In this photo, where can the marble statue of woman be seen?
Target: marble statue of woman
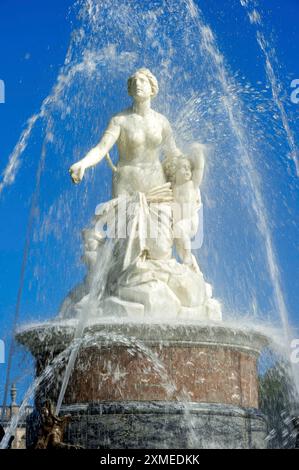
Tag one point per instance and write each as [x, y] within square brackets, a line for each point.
[144, 279]
[139, 133]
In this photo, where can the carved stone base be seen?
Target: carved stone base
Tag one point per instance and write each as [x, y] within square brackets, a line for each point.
[150, 381]
[158, 425]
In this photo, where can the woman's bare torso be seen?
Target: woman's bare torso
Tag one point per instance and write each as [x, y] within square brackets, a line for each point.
[139, 143]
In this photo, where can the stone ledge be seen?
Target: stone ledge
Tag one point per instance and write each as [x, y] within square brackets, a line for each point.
[55, 336]
[160, 407]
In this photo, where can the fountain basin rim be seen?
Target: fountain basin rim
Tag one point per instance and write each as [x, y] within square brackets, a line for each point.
[56, 336]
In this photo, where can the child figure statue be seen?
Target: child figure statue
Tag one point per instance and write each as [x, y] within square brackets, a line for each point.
[185, 174]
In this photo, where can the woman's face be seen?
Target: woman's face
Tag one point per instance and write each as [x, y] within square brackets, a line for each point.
[140, 87]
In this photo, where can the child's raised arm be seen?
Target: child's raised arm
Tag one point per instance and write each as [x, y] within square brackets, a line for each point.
[197, 157]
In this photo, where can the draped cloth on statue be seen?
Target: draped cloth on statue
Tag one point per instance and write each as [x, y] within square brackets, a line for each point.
[143, 279]
[139, 224]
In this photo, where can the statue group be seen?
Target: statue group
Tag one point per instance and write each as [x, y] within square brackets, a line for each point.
[151, 219]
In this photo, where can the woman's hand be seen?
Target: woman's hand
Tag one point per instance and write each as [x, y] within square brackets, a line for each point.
[77, 172]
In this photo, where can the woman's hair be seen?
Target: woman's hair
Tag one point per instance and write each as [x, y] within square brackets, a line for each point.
[151, 78]
[170, 165]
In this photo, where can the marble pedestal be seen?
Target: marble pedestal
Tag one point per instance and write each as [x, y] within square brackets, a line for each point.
[156, 385]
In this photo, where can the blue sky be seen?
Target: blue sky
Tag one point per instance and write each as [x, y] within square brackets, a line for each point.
[34, 38]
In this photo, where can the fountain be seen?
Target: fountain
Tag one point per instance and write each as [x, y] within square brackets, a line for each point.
[141, 354]
[136, 288]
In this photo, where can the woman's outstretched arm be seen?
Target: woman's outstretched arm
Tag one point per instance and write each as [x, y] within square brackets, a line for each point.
[97, 153]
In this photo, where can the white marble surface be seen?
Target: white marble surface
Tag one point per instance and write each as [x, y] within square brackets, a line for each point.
[155, 206]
